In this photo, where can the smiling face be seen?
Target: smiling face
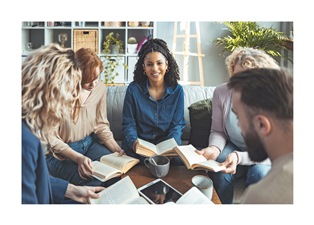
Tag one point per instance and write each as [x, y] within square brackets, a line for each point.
[155, 66]
[255, 147]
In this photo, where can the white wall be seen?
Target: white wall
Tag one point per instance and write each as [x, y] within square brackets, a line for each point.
[214, 68]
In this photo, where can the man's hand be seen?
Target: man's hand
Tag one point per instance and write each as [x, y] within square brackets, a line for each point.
[210, 152]
[82, 193]
[230, 163]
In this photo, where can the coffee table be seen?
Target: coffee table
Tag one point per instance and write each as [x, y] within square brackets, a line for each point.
[179, 177]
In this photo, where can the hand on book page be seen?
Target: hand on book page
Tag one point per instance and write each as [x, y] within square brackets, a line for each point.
[192, 160]
[112, 165]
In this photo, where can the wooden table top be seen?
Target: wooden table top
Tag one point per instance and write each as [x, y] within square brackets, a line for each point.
[179, 177]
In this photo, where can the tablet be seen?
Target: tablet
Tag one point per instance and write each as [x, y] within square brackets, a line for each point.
[159, 192]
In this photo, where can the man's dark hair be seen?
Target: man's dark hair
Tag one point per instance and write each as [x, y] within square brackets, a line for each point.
[265, 89]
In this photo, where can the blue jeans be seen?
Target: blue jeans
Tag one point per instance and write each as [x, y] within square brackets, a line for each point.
[224, 183]
[66, 169]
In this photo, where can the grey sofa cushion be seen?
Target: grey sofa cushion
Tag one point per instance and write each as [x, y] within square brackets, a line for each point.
[115, 99]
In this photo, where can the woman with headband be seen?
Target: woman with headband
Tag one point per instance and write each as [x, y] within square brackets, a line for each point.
[154, 102]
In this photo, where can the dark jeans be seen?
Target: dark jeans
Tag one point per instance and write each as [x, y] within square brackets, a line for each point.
[68, 170]
[224, 183]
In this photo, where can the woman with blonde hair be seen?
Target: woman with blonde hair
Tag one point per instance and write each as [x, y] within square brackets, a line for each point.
[50, 90]
[226, 144]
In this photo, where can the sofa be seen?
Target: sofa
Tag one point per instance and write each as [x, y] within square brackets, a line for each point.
[115, 98]
[192, 94]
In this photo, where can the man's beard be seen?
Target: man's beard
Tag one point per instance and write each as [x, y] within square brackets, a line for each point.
[254, 146]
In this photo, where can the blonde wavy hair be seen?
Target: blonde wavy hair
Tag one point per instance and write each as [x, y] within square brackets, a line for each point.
[249, 58]
[50, 88]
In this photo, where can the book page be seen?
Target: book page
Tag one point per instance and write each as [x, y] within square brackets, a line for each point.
[121, 192]
[139, 200]
[147, 145]
[188, 151]
[194, 196]
[122, 163]
[166, 145]
[209, 164]
[103, 172]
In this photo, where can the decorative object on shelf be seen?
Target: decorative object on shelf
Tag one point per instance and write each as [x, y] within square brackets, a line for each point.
[132, 45]
[291, 34]
[112, 24]
[28, 46]
[142, 41]
[81, 23]
[86, 39]
[31, 24]
[250, 34]
[111, 61]
[28, 23]
[145, 24]
[133, 23]
[112, 39]
[62, 37]
[50, 23]
[89, 34]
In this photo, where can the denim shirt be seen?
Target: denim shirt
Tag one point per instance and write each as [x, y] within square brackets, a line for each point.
[151, 120]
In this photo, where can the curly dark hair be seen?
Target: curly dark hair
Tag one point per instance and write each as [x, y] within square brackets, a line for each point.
[157, 45]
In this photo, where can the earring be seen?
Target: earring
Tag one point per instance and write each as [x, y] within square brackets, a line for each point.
[144, 73]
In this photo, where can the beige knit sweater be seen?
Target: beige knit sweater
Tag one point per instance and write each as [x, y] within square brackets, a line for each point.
[92, 118]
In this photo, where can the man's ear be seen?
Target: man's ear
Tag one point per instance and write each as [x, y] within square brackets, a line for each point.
[262, 125]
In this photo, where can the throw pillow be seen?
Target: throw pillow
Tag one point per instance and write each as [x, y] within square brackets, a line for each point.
[201, 121]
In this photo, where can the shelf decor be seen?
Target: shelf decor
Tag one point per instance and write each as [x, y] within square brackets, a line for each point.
[113, 46]
[89, 34]
[112, 24]
[132, 45]
[86, 39]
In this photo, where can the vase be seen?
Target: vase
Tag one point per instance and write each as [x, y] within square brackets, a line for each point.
[132, 48]
[114, 49]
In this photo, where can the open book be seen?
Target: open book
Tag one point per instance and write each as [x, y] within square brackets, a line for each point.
[121, 192]
[194, 196]
[112, 165]
[194, 161]
[164, 148]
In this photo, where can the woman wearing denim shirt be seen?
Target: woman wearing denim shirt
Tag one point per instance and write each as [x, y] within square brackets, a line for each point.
[154, 102]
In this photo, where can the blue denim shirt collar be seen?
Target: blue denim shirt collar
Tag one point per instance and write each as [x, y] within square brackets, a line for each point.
[169, 90]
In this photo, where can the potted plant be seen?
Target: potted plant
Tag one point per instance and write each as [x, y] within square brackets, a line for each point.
[112, 45]
[132, 45]
[250, 34]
